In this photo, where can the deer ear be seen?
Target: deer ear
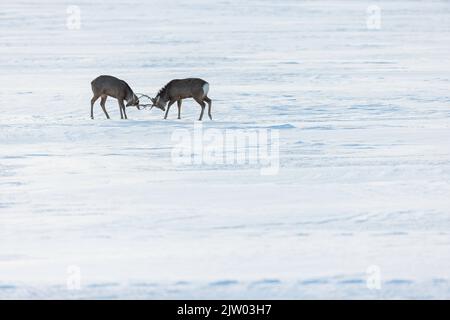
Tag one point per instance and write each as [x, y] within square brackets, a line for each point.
[153, 100]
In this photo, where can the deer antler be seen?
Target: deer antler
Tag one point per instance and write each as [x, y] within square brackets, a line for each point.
[140, 95]
[146, 106]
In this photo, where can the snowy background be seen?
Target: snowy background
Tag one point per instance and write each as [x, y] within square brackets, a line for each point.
[363, 116]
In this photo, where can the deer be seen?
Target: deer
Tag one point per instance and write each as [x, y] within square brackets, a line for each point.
[179, 89]
[109, 86]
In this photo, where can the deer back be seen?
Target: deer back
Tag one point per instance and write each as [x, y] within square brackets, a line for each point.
[111, 86]
[185, 88]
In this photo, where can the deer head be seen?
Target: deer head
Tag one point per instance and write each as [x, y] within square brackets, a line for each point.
[133, 102]
[158, 103]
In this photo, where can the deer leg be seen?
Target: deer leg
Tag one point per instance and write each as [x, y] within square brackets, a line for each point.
[120, 108]
[179, 108]
[208, 100]
[168, 107]
[202, 104]
[94, 98]
[102, 103]
[123, 108]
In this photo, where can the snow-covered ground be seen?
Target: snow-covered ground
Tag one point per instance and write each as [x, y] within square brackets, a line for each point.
[363, 118]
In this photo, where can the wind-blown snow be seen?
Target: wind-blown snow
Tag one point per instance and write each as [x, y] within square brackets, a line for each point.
[364, 123]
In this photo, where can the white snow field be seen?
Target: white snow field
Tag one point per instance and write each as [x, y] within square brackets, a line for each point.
[99, 209]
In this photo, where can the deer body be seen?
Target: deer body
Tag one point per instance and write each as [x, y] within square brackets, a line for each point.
[109, 86]
[179, 89]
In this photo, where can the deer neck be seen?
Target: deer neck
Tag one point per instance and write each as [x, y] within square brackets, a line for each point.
[129, 97]
[163, 98]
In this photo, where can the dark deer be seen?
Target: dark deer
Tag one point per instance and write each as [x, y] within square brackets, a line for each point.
[179, 89]
[105, 86]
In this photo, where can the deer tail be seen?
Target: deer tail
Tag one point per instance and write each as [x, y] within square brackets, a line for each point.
[205, 89]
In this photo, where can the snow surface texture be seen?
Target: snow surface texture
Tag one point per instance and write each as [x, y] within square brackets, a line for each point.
[364, 122]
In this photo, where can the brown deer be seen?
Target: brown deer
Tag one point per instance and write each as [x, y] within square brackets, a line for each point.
[179, 89]
[104, 86]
